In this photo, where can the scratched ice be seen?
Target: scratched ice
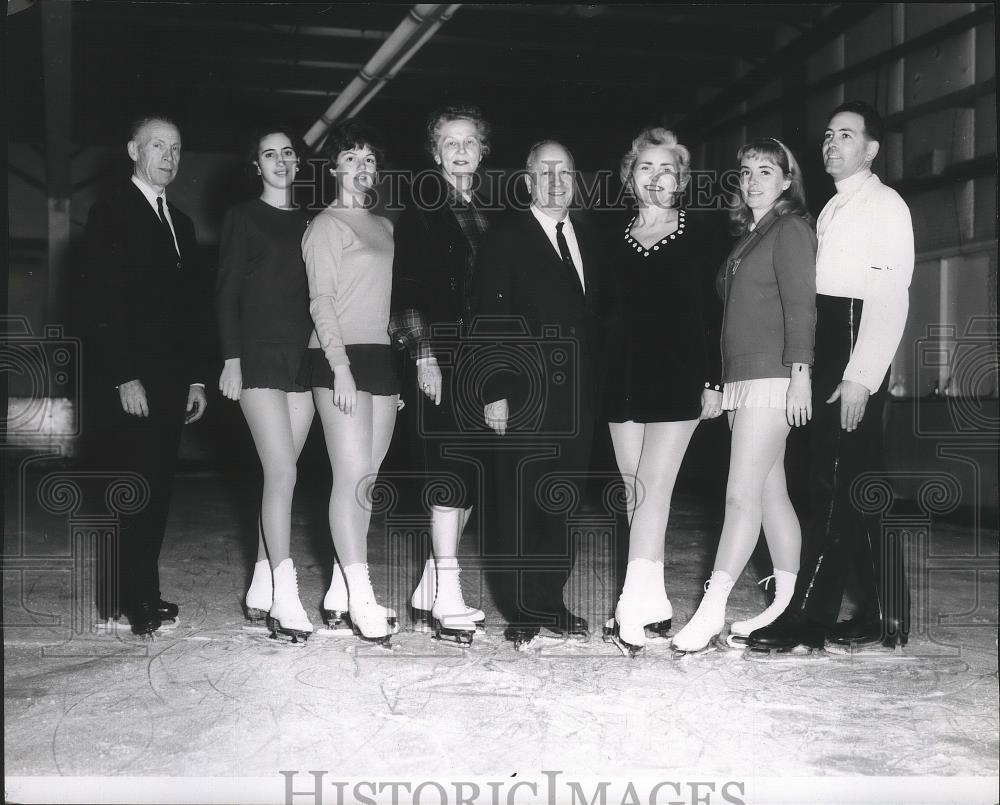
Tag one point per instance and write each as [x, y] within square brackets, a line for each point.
[211, 699]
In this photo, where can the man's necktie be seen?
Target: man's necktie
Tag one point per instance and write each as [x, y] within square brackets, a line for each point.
[567, 258]
[164, 221]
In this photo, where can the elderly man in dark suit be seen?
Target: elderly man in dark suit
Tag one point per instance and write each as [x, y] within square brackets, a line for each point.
[537, 288]
[142, 360]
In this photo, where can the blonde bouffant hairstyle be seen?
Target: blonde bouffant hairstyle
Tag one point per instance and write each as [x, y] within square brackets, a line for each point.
[657, 136]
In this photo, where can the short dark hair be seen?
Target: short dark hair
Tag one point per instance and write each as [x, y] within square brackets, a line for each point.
[137, 123]
[350, 134]
[449, 113]
[874, 125]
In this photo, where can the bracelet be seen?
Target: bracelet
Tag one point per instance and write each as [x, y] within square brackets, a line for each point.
[716, 387]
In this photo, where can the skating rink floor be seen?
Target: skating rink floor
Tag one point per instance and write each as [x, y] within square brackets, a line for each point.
[211, 712]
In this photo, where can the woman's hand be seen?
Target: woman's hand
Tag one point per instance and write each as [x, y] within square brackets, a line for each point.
[345, 392]
[231, 379]
[798, 399]
[711, 404]
[429, 378]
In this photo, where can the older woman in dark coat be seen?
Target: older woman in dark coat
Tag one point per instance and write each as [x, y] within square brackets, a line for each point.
[436, 240]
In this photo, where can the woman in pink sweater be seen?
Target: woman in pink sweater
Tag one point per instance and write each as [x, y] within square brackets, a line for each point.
[349, 364]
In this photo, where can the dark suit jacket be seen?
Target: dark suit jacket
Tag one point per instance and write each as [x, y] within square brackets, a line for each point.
[148, 304]
[550, 326]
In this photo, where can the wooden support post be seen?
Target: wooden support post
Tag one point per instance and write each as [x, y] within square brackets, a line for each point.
[57, 71]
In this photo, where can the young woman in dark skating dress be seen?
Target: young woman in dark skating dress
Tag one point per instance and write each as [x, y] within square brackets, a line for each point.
[262, 303]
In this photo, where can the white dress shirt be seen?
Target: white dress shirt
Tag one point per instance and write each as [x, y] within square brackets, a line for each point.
[549, 227]
[866, 252]
[151, 196]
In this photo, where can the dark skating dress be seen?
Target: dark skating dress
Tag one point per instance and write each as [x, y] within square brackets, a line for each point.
[262, 296]
[663, 340]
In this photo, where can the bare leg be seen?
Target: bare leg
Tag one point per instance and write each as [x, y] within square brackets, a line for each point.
[279, 423]
[349, 443]
[758, 444]
[626, 438]
[649, 457]
[781, 525]
[663, 448]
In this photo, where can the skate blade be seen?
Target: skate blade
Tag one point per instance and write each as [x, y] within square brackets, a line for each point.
[334, 631]
[339, 624]
[460, 637]
[869, 652]
[610, 633]
[708, 648]
[737, 642]
[531, 646]
[291, 636]
[778, 655]
[122, 625]
[627, 649]
[381, 642]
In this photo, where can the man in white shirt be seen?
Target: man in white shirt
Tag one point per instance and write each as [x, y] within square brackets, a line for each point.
[144, 359]
[537, 280]
[863, 269]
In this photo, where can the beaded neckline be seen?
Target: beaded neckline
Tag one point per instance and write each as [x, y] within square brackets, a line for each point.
[634, 244]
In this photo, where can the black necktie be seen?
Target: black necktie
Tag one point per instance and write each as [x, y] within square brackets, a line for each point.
[164, 221]
[567, 258]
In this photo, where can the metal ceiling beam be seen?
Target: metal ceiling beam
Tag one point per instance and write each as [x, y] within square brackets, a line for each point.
[420, 24]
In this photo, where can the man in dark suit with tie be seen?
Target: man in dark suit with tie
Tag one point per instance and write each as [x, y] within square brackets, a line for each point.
[143, 371]
[536, 290]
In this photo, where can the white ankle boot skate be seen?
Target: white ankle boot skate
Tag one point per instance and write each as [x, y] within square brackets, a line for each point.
[643, 609]
[336, 610]
[422, 600]
[287, 615]
[367, 617]
[453, 620]
[784, 587]
[710, 617]
[259, 596]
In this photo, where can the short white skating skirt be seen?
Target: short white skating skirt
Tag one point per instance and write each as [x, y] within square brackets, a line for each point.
[764, 392]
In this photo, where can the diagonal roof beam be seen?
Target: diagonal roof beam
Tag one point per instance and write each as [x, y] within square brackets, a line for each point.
[419, 25]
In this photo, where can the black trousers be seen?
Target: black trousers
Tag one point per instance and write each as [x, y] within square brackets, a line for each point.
[540, 482]
[843, 537]
[146, 446]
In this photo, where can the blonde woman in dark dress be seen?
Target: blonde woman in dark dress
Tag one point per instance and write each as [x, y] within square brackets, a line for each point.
[662, 376]
[262, 304]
